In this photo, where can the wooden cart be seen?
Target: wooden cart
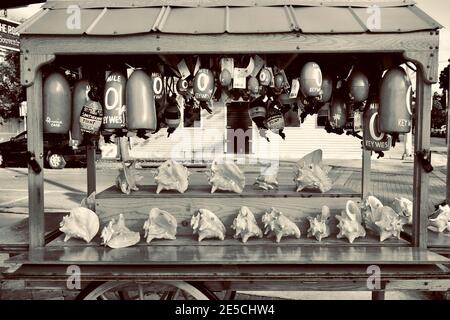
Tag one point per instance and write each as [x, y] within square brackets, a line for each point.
[202, 269]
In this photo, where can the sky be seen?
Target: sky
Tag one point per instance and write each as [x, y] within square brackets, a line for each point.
[437, 9]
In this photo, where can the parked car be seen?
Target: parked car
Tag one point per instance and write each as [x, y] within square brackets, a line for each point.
[57, 151]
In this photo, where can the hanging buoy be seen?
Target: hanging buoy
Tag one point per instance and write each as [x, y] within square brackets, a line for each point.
[183, 87]
[327, 88]
[114, 101]
[158, 86]
[311, 80]
[57, 104]
[203, 85]
[338, 113]
[253, 86]
[395, 102]
[79, 99]
[265, 77]
[257, 111]
[172, 117]
[141, 108]
[358, 86]
[374, 139]
[225, 78]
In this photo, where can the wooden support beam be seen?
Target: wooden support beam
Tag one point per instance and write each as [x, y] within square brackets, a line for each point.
[366, 186]
[421, 178]
[91, 170]
[35, 146]
[448, 140]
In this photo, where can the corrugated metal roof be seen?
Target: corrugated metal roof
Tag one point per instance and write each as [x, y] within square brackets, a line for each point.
[115, 18]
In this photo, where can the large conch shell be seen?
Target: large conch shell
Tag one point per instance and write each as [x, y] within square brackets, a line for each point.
[277, 224]
[207, 225]
[319, 226]
[245, 225]
[81, 223]
[172, 175]
[117, 235]
[128, 177]
[404, 208]
[383, 220]
[442, 221]
[350, 222]
[160, 225]
[226, 176]
[311, 174]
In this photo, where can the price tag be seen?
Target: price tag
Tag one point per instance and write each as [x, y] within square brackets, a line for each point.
[227, 64]
[239, 78]
[183, 69]
[259, 64]
[294, 88]
[357, 123]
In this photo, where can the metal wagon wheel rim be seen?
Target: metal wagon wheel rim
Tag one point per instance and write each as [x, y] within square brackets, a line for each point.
[120, 290]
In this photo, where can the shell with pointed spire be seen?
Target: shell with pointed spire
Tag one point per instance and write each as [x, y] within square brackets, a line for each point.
[349, 224]
[404, 208]
[172, 175]
[441, 222]
[278, 225]
[207, 225]
[319, 226]
[81, 223]
[311, 174]
[245, 225]
[225, 176]
[117, 235]
[128, 178]
[160, 225]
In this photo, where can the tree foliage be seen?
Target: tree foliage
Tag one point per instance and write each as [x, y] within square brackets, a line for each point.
[11, 92]
[443, 79]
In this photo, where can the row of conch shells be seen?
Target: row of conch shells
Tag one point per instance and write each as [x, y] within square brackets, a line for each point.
[440, 219]
[225, 176]
[311, 174]
[172, 175]
[383, 220]
[278, 225]
[82, 222]
[128, 178]
[350, 222]
[319, 226]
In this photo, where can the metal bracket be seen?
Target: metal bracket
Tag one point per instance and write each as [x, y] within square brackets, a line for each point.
[425, 160]
[30, 63]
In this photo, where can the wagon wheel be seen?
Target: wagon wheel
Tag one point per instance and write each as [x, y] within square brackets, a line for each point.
[157, 290]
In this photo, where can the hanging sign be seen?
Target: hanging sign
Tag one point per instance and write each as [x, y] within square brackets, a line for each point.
[9, 38]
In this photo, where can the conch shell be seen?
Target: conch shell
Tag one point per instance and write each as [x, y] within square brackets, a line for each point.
[160, 225]
[442, 221]
[226, 176]
[350, 222]
[277, 224]
[319, 226]
[172, 175]
[128, 177]
[89, 202]
[207, 225]
[245, 225]
[383, 220]
[311, 174]
[266, 182]
[117, 235]
[404, 208]
[81, 223]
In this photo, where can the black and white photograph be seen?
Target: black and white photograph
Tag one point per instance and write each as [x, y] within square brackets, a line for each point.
[252, 153]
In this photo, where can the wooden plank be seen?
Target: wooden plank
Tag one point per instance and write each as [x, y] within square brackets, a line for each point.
[448, 140]
[366, 184]
[35, 146]
[231, 255]
[421, 178]
[232, 43]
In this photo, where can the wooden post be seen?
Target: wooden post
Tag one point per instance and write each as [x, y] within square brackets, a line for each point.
[448, 138]
[421, 178]
[35, 139]
[366, 170]
[91, 172]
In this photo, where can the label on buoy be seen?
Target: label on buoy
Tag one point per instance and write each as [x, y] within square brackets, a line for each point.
[91, 117]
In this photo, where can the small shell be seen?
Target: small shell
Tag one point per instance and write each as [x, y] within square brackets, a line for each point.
[350, 223]
[117, 235]
[369, 209]
[81, 223]
[160, 225]
[266, 182]
[442, 221]
[278, 225]
[172, 175]
[404, 208]
[245, 225]
[311, 174]
[128, 177]
[319, 226]
[207, 225]
[226, 176]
